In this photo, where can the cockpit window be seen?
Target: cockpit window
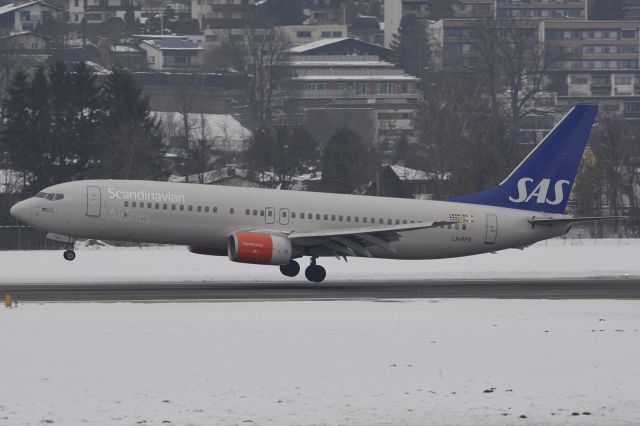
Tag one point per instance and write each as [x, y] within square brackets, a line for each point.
[50, 197]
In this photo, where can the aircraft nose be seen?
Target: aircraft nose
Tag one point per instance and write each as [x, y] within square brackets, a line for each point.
[21, 210]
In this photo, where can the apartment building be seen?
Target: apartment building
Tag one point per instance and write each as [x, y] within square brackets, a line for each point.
[346, 82]
[172, 54]
[542, 9]
[598, 61]
[325, 12]
[212, 14]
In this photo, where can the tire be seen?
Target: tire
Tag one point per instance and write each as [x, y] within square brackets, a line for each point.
[69, 255]
[315, 273]
[291, 269]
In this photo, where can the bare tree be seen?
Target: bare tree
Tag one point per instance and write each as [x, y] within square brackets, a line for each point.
[260, 55]
[511, 65]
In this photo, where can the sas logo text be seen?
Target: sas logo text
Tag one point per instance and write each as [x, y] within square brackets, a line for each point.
[540, 192]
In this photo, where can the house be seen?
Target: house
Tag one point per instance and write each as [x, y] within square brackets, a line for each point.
[26, 44]
[98, 11]
[21, 16]
[303, 34]
[172, 54]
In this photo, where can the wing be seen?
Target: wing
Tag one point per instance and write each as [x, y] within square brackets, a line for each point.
[356, 241]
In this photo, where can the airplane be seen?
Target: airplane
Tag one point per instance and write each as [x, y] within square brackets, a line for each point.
[275, 227]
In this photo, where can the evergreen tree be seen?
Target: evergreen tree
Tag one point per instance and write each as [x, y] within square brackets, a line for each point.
[411, 45]
[281, 152]
[40, 139]
[347, 164]
[17, 130]
[130, 142]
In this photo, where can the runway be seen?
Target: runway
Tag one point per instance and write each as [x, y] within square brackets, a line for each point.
[601, 288]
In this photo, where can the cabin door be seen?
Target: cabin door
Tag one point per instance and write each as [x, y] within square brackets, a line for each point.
[93, 201]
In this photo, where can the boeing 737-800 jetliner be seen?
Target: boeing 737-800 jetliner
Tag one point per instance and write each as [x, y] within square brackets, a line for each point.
[273, 227]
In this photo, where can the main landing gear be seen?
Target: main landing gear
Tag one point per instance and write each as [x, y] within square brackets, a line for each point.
[314, 273]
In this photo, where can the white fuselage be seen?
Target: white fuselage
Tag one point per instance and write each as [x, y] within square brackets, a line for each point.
[204, 215]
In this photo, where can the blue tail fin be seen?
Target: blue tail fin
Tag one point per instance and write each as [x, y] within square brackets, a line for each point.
[543, 181]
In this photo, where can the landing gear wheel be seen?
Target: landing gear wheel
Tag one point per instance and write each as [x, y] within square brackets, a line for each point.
[315, 273]
[291, 269]
[69, 255]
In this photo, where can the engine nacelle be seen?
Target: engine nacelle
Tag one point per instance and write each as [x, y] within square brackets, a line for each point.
[260, 248]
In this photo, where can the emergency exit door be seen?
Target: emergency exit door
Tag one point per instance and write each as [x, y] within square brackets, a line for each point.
[93, 201]
[492, 229]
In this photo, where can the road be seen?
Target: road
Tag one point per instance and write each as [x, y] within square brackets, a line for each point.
[601, 288]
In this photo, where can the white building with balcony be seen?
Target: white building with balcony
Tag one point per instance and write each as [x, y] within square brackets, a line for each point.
[97, 11]
[21, 16]
[172, 54]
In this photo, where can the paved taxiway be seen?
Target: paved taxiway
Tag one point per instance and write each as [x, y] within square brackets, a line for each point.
[601, 288]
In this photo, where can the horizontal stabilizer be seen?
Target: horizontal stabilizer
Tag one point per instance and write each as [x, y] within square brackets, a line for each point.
[565, 220]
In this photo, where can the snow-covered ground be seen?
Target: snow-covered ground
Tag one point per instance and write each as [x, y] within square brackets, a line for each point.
[417, 362]
[551, 259]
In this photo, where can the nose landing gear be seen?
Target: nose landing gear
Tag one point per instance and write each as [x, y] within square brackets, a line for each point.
[315, 273]
[69, 255]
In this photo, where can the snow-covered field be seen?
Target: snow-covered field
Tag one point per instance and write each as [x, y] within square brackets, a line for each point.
[552, 259]
[417, 362]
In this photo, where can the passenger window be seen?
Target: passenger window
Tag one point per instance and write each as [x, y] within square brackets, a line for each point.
[133, 204]
[269, 213]
[413, 221]
[157, 206]
[373, 220]
[464, 226]
[333, 217]
[181, 207]
[364, 220]
[381, 221]
[164, 206]
[199, 209]
[317, 216]
[247, 212]
[215, 210]
[326, 217]
[457, 226]
[149, 205]
[206, 209]
[126, 204]
[293, 215]
[389, 221]
[173, 206]
[356, 219]
[231, 210]
[449, 226]
[190, 208]
[301, 215]
[340, 218]
[142, 205]
[255, 212]
[397, 221]
[284, 214]
[404, 222]
[348, 218]
[261, 212]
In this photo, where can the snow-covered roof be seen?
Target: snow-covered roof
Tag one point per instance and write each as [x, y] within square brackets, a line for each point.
[8, 8]
[315, 44]
[97, 68]
[406, 173]
[226, 133]
[173, 44]
[124, 49]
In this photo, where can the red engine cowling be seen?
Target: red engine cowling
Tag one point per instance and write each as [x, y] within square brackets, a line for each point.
[260, 248]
